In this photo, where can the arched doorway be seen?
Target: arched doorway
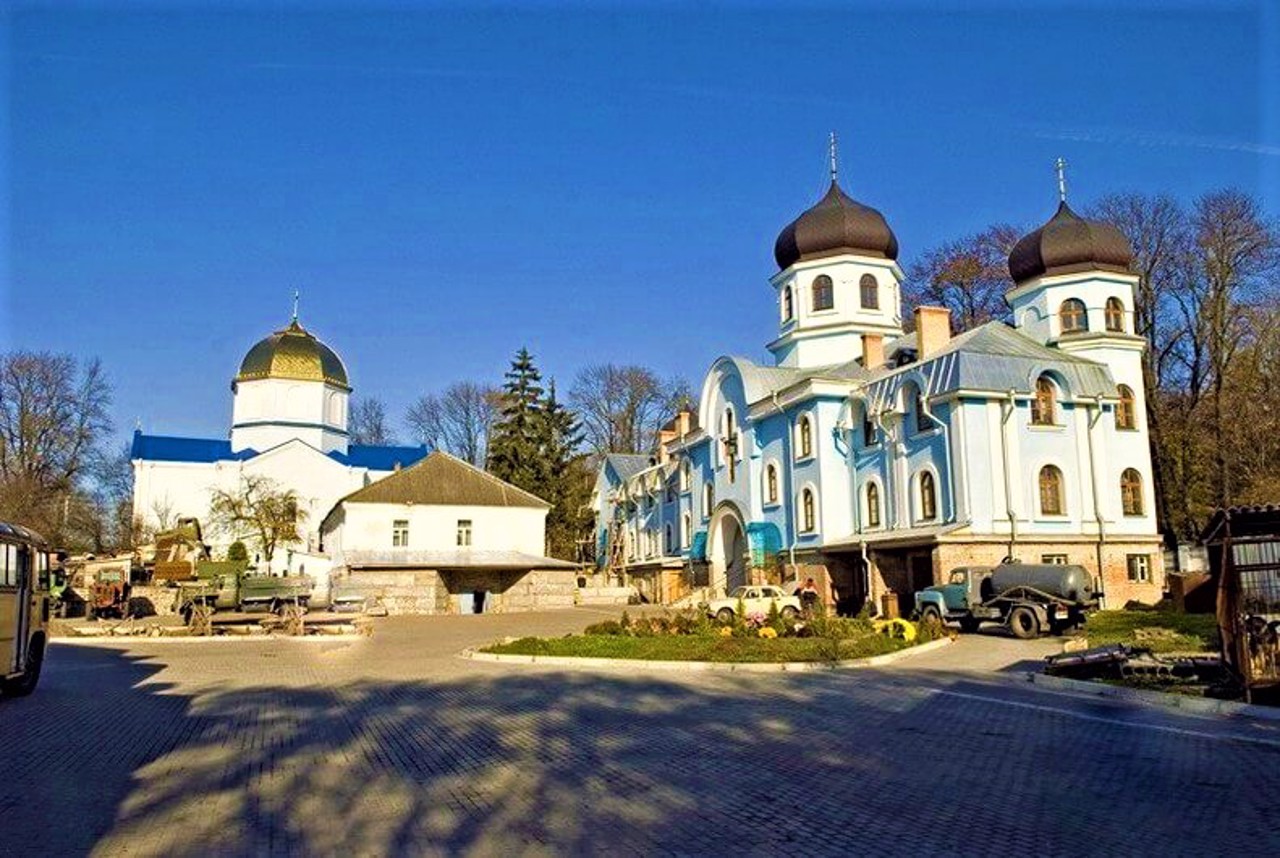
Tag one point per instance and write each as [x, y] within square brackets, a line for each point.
[727, 549]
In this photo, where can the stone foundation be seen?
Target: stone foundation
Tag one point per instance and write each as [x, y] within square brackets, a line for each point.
[429, 591]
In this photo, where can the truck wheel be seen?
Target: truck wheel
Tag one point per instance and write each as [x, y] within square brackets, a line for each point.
[930, 616]
[26, 683]
[788, 613]
[969, 625]
[1023, 623]
[725, 615]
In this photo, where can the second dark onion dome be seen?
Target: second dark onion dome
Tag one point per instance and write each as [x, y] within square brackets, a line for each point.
[1069, 243]
[836, 224]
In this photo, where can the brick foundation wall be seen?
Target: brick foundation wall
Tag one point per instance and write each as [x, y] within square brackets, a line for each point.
[1115, 575]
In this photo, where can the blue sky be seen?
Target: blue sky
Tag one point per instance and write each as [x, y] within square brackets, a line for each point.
[446, 184]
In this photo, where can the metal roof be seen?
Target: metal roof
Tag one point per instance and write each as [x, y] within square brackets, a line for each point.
[837, 223]
[164, 448]
[627, 465]
[445, 480]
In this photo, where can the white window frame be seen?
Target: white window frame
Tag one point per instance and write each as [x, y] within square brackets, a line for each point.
[465, 533]
[400, 533]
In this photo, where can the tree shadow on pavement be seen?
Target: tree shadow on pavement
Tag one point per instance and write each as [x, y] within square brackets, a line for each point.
[551, 761]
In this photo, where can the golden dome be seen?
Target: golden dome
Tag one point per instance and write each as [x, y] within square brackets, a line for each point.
[293, 353]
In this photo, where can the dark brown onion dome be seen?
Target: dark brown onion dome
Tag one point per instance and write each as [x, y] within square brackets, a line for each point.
[1069, 243]
[837, 224]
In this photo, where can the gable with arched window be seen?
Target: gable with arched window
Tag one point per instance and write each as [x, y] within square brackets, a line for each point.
[873, 504]
[1126, 416]
[1051, 499]
[788, 305]
[771, 483]
[808, 511]
[804, 437]
[1044, 407]
[1072, 316]
[1115, 315]
[928, 496]
[869, 292]
[824, 293]
[1131, 492]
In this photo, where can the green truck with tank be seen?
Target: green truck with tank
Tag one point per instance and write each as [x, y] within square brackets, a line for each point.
[1026, 598]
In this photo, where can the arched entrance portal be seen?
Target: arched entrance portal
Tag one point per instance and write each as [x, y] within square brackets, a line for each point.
[727, 549]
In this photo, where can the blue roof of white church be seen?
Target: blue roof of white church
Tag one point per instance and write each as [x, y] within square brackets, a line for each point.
[167, 448]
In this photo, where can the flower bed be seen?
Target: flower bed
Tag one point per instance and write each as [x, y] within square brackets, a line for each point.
[691, 636]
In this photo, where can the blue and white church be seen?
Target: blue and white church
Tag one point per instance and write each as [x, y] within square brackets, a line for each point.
[288, 425]
[877, 460]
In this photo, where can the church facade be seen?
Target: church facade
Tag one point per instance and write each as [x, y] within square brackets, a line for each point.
[289, 425]
[880, 460]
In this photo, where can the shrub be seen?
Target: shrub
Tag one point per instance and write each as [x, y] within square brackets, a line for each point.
[767, 632]
[611, 628]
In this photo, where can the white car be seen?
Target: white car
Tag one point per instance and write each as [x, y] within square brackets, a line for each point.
[755, 600]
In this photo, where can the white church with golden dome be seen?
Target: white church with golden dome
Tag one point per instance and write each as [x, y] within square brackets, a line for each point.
[288, 424]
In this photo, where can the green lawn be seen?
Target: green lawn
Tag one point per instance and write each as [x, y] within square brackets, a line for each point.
[1159, 631]
[699, 648]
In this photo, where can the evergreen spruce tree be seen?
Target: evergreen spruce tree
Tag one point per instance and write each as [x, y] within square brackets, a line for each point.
[567, 481]
[516, 444]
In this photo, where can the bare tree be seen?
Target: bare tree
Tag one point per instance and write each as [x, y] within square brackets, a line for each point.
[53, 412]
[457, 420]
[1158, 230]
[368, 423]
[621, 407]
[259, 510]
[969, 277]
[1236, 249]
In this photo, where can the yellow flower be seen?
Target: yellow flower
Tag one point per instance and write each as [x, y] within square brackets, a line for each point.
[726, 631]
[768, 632]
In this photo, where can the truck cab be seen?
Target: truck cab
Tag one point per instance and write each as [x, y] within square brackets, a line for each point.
[966, 589]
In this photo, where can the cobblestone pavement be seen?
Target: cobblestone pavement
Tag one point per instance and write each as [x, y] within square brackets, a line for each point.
[393, 745]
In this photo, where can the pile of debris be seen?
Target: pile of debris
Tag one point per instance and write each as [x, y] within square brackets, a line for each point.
[1118, 661]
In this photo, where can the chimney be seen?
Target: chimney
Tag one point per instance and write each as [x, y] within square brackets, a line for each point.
[933, 330]
[872, 351]
[682, 423]
[666, 436]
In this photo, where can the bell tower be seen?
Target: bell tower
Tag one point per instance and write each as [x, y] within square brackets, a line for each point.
[838, 279]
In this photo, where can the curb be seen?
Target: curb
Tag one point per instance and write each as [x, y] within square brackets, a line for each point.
[635, 664]
[87, 640]
[1183, 703]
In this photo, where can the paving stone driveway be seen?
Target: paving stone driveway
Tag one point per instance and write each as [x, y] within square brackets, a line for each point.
[393, 745]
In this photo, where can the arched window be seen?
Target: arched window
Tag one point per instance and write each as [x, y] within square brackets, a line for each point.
[788, 310]
[668, 546]
[1131, 492]
[1115, 315]
[686, 476]
[868, 429]
[1051, 491]
[771, 484]
[873, 505]
[1125, 416]
[824, 293]
[869, 292]
[708, 498]
[928, 497]
[923, 423]
[686, 527]
[1044, 407]
[1072, 316]
[805, 431]
[808, 518]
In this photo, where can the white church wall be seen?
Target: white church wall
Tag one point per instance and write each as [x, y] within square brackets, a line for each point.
[267, 412]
